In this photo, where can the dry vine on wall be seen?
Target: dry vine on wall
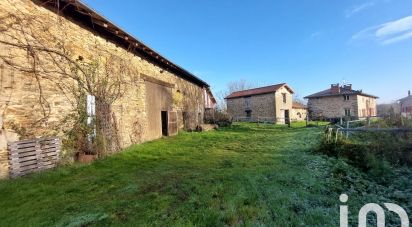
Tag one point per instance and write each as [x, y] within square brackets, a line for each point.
[37, 47]
[192, 103]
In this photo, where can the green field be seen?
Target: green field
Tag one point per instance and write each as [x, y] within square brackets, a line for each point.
[241, 175]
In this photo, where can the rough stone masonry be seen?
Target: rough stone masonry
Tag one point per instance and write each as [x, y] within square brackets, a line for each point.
[21, 110]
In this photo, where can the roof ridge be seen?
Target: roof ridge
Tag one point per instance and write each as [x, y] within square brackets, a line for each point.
[259, 90]
[259, 87]
[343, 91]
[122, 35]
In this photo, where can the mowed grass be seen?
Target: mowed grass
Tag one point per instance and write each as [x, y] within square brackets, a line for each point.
[240, 175]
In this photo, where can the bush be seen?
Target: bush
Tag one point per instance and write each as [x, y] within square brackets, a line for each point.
[368, 158]
[218, 117]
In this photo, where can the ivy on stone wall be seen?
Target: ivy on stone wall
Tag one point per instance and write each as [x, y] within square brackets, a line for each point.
[36, 47]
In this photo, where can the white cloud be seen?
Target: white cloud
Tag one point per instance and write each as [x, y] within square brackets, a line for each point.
[394, 27]
[396, 39]
[315, 35]
[358, 8]
[388, 33]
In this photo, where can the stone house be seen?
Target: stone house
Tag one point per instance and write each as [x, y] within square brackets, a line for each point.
[340, 102]
[299, 112]
[272, 103]
[155, 97]
[406, 105]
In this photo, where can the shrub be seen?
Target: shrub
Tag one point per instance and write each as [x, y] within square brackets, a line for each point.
[218, 117]
[374, 159]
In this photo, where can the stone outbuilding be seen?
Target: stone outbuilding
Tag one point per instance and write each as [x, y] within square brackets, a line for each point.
[39, 92]
[341, 102]
[299, 111]
[271, 103]
[406, 105]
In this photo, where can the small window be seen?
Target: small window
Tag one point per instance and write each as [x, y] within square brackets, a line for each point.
[284, 97]
[248, 103]
[90, 108]
[248, 113]
[346, 97]
[347, 112]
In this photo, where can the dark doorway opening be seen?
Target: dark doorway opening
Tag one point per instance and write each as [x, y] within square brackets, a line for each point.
[287, 117]
[248, 113]
[164, 123]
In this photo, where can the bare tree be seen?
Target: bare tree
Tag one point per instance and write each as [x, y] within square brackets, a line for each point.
[298, 98]
[232, 86]
[239, 85]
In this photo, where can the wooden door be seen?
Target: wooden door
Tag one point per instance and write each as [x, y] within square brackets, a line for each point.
[158, 100]
[172, 123]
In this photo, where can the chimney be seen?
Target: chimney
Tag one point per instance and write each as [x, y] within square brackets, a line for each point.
[334, 88]
[347, 87]
[409, 93]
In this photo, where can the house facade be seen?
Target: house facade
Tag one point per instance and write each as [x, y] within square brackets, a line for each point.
[340, 102]
[406, 105]
[299, 111]
[154, 96]
[271, 103]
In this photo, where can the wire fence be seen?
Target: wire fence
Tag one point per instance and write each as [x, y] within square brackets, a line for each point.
[274, 120]
[348, 128]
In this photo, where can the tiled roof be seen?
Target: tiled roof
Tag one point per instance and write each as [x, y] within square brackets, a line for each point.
[79, 11]
[343, 91]
[259, 91]
[298, 105]
[406, 98]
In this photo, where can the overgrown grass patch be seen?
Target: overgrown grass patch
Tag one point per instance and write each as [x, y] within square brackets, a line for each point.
[241, 175]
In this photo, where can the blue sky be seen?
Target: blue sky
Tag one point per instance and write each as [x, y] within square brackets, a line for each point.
[308, 44]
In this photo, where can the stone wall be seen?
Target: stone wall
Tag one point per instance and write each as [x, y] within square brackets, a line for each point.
[332, 107]
[22, 113]
[268, 107]
[406, 106]
[261, 106]
[299, 114]
[282, 106]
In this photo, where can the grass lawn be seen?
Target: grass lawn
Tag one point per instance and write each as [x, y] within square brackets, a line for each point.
[241, 175]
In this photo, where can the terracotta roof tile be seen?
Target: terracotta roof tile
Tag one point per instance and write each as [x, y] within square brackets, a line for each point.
[298, 105]
[258, 91]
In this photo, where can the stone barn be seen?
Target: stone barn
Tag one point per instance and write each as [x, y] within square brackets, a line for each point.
[272, 103]
[55, 55]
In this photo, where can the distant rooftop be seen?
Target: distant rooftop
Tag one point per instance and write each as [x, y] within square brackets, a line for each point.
[259, 91]
[407, 97]
[298, 105]
[336, 90]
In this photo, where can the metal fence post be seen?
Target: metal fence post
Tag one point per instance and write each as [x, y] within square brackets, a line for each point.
[307, 120]
[347, 131]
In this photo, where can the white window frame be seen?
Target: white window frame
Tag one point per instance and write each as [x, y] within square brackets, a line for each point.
[91, 114]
